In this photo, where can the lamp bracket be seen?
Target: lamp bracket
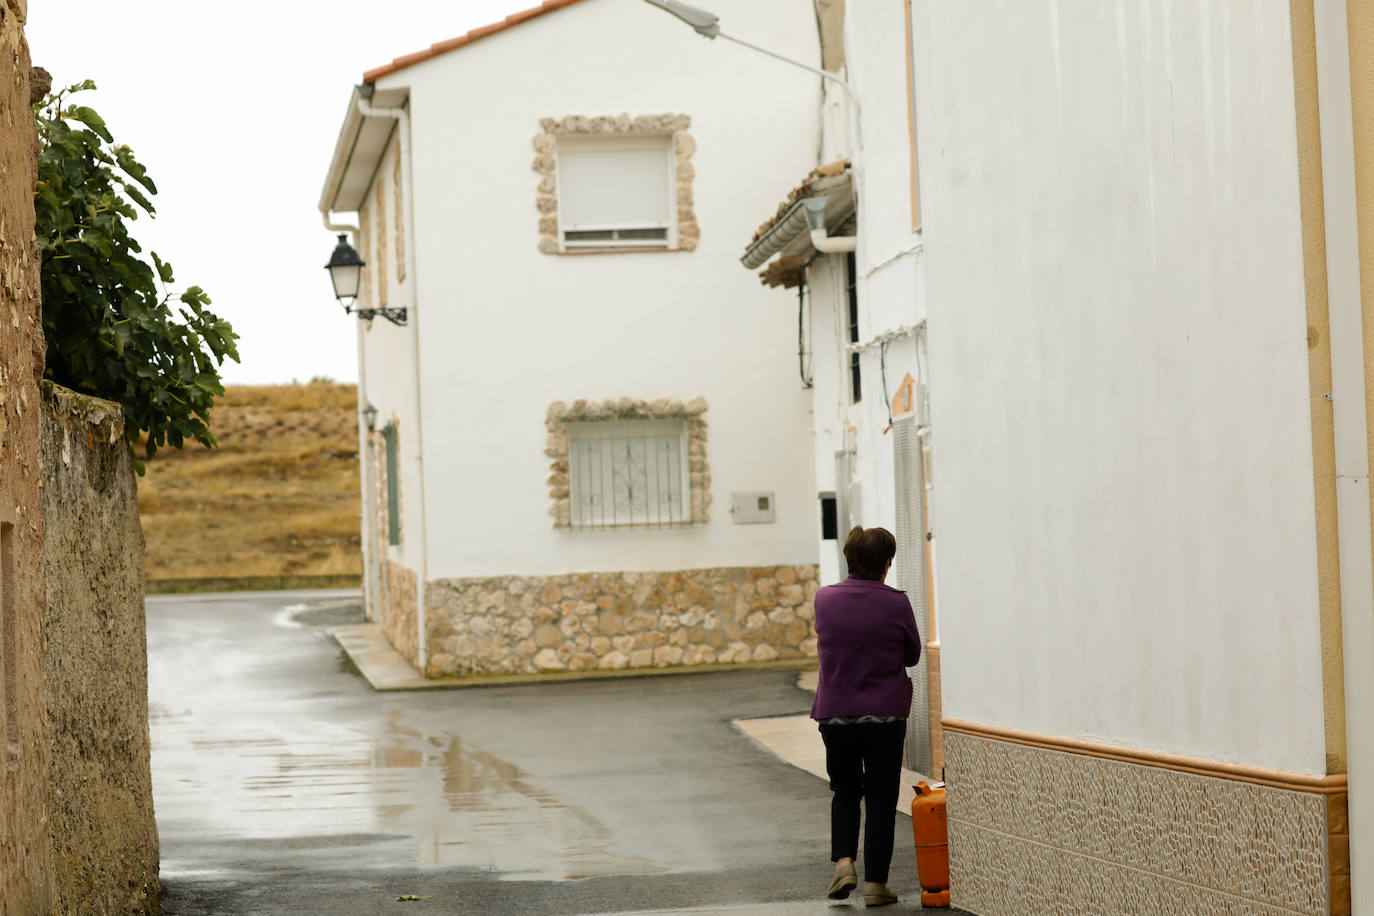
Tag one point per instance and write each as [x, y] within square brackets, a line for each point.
[395, 316]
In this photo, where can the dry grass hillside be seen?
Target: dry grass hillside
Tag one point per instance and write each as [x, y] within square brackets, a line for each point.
[279, 497]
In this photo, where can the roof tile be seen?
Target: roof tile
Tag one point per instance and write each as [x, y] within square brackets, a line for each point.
[434, 50]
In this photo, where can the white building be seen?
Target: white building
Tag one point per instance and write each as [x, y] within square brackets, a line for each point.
[1134, 298]
[860, 307]
[585, 455]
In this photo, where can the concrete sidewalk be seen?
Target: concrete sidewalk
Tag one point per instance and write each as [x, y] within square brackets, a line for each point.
[796, 740]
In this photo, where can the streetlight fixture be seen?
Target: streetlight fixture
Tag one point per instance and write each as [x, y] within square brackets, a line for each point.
[706, 24]
[346, 273]
[345, 270]
[370, 416]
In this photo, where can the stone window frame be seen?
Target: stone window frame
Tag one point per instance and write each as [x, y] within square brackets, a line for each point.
[673, 126]
[560, 414]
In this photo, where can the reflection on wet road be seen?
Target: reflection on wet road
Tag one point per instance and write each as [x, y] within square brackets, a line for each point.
[275, 771]
[274, 763]
[492, 813]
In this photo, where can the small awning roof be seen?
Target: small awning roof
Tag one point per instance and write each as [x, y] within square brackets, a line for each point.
[359, 149]
[787, 233]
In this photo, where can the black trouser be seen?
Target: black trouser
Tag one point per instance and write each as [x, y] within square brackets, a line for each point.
[864, 762]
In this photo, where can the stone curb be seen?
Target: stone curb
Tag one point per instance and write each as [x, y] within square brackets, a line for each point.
[384, 668]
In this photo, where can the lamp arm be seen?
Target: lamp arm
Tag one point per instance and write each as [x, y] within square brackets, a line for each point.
[854, 99]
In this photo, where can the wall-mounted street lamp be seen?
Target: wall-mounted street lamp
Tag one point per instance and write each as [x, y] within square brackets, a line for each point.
[707, 25]
[370, 417]
[346, 273]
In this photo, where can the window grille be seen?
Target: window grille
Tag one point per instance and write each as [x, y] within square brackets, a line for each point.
[628, 473]
[651, 237]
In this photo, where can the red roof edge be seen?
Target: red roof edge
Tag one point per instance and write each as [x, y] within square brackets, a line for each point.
[442, 47]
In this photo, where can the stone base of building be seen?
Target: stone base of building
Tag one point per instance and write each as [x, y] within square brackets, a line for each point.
[395, 609]
[618, 620]
[1063, 830]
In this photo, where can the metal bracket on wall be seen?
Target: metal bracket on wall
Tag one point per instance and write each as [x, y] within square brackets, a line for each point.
[395, 316]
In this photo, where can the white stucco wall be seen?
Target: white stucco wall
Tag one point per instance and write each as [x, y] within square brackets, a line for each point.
[889, 270]
[1118, 345]
[829, 390]
[388, 351]
[506, 330]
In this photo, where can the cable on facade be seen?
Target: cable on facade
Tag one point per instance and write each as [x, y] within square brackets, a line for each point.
[801, 335]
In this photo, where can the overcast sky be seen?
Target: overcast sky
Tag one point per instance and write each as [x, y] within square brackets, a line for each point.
[234, 109]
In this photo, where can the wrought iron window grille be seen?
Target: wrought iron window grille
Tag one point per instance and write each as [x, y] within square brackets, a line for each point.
[628, 473]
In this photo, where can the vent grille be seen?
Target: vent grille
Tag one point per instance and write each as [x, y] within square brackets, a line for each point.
[653, 237]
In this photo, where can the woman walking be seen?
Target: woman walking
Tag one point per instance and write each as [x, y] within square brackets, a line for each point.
[867, 638]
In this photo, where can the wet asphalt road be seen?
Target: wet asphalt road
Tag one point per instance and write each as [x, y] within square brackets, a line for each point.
[284, 784]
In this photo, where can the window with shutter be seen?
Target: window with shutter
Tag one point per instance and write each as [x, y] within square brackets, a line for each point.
[615, 192]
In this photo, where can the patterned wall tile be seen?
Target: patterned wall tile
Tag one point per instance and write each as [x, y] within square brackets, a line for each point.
[993, 874]
[1116, 837]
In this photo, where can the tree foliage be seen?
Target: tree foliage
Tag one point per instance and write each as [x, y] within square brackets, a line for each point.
[114, 328]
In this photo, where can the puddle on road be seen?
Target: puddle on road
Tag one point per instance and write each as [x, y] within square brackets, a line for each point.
[421, 799]
[495, 812]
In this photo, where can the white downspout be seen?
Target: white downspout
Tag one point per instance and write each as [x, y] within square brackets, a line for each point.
[402, 117]
[364, 466]
[833, 244]
[365, 478]
[340, 227]
[1346, 334]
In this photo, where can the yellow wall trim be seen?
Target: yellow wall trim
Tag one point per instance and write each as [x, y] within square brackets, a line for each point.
[1319, 379]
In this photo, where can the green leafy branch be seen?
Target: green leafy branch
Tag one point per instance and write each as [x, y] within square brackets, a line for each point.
[114, 329]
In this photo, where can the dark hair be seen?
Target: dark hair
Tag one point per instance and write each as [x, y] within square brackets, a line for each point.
[868, 551]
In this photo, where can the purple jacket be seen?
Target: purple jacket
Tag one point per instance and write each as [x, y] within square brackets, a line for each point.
[867, 639]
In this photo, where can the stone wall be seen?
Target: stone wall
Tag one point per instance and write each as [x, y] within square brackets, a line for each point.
[617, 620]
[26, 884]
[104, 845]
[397, 611]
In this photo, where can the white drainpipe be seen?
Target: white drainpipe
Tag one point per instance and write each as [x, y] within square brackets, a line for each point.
[365, 479]
[364, 466]
[833, 244]
[1351, 439]
[402, 117]
[814, 208]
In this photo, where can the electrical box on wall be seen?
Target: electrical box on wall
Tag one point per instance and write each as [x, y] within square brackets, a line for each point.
[752, 508]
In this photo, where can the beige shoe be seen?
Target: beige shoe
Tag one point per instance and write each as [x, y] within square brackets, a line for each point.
[845, 881]
[876, 894]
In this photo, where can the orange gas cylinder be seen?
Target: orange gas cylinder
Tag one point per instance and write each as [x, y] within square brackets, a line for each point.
[932, 843]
